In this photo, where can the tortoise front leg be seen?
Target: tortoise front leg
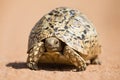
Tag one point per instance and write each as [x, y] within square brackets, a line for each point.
[74, 58]
[34, 55]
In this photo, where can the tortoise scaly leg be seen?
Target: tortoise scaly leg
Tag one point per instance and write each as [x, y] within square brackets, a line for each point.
[34, 55]
[74, 58]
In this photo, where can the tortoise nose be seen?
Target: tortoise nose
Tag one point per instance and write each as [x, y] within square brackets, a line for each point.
[50, 45]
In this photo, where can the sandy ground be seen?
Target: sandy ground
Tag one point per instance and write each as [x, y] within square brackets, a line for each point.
[14, 68]
[16, 20]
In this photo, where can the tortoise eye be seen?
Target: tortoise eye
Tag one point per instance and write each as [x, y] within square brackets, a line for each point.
[56, 42]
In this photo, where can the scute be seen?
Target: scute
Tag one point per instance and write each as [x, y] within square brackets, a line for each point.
[39, 32]
[76, 33]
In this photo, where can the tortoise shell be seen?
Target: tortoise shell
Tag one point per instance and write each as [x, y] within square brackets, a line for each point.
[70, 26]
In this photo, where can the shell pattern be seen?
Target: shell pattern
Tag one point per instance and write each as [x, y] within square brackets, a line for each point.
[70, 26]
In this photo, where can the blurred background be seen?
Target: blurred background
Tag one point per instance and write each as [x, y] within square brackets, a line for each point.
[17, 17]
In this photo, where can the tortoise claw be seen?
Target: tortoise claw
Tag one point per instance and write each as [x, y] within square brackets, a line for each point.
[82, 68]
[33, 66]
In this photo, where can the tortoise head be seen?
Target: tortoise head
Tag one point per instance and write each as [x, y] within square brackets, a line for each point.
[53, 44]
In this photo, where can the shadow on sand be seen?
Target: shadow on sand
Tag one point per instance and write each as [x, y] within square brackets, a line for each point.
[17, 65]
[42, 66]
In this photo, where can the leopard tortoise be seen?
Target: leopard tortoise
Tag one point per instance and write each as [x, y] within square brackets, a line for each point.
[66, 36]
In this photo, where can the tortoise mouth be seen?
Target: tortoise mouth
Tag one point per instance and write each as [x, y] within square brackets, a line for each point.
[53, 49]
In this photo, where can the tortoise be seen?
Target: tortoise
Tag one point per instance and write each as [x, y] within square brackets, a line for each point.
[66, 36]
